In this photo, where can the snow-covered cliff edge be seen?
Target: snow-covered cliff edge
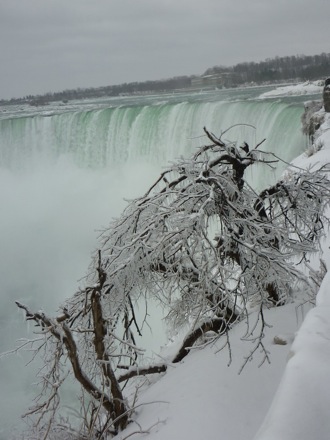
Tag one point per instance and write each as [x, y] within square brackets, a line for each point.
[300, 409]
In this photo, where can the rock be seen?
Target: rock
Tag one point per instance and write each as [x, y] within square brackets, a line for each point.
[283, 339]
[326, 95]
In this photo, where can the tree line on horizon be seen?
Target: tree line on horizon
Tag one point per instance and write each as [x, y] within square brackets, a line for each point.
[300, 67]
[295, 67]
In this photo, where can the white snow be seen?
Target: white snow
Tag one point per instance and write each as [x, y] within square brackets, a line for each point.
[204, 398]
[300, 409]
[306, 88]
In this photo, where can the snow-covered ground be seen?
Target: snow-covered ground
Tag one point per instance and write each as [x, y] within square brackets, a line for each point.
[204, 398]
[306, 88]
[300, 409]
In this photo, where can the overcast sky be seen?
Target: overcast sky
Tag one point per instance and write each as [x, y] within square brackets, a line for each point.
[51, 45]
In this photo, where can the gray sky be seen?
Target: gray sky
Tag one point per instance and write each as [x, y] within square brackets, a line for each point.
[51, 45]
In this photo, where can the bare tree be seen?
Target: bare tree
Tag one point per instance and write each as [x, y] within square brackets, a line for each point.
[204, 244]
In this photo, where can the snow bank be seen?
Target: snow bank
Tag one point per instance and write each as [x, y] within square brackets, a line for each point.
[300, 409]
[306, 88]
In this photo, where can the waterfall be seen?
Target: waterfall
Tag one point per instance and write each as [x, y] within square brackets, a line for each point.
[108, 137]
[64, 174]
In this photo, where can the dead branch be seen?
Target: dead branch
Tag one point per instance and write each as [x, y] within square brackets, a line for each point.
[218, 325]
[134, 372]
[63, 334]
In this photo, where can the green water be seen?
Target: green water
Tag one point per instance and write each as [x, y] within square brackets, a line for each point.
[152, 129]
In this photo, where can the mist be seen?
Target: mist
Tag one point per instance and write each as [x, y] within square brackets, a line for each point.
[51, 217]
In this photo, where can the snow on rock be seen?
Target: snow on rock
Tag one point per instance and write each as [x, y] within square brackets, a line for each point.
[317, 156]
[319, 153]
[306, 88]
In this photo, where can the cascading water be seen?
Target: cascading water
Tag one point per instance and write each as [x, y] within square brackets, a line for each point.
[108, 137]
[64, 172]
